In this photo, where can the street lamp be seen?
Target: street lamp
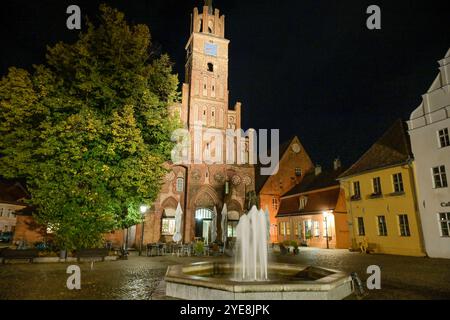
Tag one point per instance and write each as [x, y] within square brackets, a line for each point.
[325, 216]
[144, 210]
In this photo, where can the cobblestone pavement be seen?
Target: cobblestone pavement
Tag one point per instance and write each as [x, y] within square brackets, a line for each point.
[141, 278]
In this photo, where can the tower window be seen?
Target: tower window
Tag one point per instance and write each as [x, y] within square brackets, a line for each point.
[210, 67]
[180, 184]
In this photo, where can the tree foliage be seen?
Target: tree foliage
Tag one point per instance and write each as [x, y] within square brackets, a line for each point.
[90, 129]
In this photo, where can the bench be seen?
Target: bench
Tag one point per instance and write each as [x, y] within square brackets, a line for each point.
[27, 254]
[92, 253]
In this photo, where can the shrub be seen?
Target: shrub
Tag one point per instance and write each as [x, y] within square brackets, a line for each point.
[199, 248]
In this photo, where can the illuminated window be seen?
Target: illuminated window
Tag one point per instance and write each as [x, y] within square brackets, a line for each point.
[316, 228]
[308, 229]
[168, 226]
[302, 202]
[232, 229]
[275, 203]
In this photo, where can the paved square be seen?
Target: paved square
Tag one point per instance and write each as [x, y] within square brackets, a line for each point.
[141, 278]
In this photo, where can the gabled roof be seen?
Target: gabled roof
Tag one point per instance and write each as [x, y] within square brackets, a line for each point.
[312, 182]
[393, 148]
[261, 180]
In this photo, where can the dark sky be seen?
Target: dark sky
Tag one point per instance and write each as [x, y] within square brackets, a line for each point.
[308, 67]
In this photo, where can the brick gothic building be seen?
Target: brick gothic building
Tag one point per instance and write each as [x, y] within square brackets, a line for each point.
[198, 188]
[205, 105]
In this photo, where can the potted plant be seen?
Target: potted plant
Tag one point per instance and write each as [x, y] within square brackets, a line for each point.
[199, 248]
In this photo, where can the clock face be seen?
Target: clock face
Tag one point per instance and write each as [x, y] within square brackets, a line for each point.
[296, 148]
[211, 49]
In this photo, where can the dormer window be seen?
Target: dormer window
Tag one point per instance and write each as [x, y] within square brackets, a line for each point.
[302, 203]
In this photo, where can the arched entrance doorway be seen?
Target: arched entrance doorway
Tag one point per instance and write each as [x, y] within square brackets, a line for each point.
[203, 220]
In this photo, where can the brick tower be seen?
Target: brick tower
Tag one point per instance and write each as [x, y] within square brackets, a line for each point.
[201, 187]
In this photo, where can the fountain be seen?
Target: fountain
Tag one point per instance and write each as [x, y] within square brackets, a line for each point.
[251, 277]
[251, 254]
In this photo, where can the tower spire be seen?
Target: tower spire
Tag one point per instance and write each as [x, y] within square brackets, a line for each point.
[210, 6]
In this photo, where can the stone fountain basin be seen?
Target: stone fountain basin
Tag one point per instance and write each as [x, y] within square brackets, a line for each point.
[213, 281]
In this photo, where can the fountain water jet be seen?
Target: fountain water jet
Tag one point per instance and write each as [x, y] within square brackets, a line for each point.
[251, 247]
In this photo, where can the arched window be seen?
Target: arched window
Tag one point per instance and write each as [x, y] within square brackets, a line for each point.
[180, 184]
[210, 67]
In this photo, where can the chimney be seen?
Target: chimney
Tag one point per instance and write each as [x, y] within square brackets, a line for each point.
[318, 170]
[337, 164]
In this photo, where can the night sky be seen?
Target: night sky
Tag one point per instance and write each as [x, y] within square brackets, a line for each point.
[309, 68]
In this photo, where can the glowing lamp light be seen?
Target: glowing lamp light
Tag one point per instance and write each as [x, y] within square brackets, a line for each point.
[144, 209]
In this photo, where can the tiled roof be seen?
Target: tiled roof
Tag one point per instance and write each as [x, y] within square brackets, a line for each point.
[312, 182]
[393, 148]
[317, 202]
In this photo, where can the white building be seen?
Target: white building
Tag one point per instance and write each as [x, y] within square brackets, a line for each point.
[429, 128]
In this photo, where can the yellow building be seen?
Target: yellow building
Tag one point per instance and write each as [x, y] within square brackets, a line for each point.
[381, 197]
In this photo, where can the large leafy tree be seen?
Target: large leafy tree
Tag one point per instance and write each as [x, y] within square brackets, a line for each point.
[90, 129]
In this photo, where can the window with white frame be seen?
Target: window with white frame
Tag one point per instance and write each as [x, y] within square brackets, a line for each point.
[302, 202]
[168, 226]
[356, 190]
[316, 228]
[440, 177]
[298, 172]
[275, 203]
[282, 228]
[444, 138]
[398, 183]
[377, 185]
[308, 231]
[444, 221]
[288, 228]
[382, 227]
[168, 222]
[180, 184]
[403, 224]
